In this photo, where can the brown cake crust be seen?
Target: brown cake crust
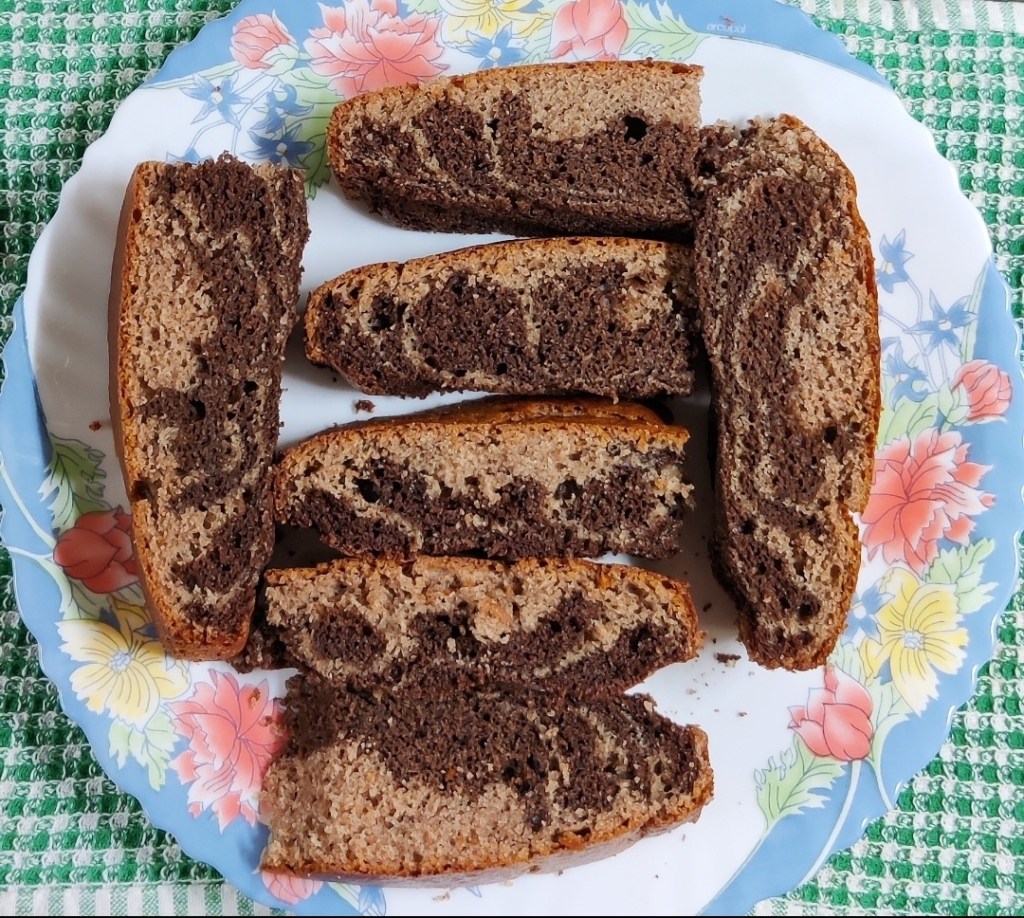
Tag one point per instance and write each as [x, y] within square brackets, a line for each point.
[599, 148]
[527, 478]
[437, 625]
[472, 787]
[789, 316]
[601, 315]
[204, 286]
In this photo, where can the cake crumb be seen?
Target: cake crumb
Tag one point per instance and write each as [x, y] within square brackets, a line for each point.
[444, 897]
[95, 425]
[743, 713]
[364, 404]
[706, 606]
[727, 659]
[714, 640]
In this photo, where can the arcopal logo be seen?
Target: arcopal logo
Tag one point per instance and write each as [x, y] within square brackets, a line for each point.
[726, 26]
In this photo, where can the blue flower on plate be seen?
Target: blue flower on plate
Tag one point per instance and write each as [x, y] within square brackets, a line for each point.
[216, 97]
[371, 901]
[905, 375]
[191, 155]
[894, 260]
[864, 612]
[943, 327]
[280, 102]
[282, 148]
[495, 52]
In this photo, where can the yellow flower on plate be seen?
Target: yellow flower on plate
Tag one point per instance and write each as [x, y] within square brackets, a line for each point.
[466, 18]
[918, 633]
[124, 672]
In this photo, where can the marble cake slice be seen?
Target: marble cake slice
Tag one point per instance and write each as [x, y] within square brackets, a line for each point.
[788, 305]
[599, 148]
[531, 478]
[472, 787]
[203, 295]
[453, 624]
[600, 315]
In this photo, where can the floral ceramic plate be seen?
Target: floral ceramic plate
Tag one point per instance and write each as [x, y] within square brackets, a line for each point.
[802, 761]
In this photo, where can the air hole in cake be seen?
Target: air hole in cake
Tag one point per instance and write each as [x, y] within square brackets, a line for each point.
[381, 322]
[555, 627]
[431, 362]
[831, 432]
[568, 490]
[143, 490]
[368, 490]
[501, 369]
[806, 610]
[748, 527]
[492, 127]
[198, 408]
[636, 128]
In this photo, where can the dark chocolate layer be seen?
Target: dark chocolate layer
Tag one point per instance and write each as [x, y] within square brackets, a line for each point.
[617, 508]
[227, 422]
[461, 744]
[635, 178]
[475, 333]
[448, 657]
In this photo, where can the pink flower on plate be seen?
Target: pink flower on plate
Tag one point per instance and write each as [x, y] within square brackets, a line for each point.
[233, 733]
[589, 30]
[924, 490]
[98, 551]
[366, 45]
[288, 888]
[261, 42]
[836, 720]
[987, 389]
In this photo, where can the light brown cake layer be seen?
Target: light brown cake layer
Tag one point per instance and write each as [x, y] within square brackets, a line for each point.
[439, 625]
[472, 787]
[601, 148]
[606, 316]
[530, 478]
[203, 294]
[789, 317]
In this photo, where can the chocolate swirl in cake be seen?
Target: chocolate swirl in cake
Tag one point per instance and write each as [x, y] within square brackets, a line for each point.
[203, 293]
[789, 317]
[606, 316]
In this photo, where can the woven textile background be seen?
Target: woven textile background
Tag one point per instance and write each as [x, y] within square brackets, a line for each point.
[70, 843]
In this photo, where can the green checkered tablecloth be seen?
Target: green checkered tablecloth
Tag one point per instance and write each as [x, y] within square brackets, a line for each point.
[70, 843]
